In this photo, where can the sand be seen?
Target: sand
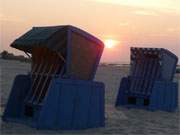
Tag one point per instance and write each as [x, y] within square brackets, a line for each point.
[118, 121]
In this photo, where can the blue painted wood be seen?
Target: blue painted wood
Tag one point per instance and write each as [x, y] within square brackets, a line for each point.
[82, 104]
[176, 95]
[164, 96]
[94, 113]
[169, 97]
[101, 88]
[70, 104]
[121, 97]
[14, 107]
[172, 93]
[66, 106]
[49, 112]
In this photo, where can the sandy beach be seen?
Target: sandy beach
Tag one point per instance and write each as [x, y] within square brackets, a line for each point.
[121, 121]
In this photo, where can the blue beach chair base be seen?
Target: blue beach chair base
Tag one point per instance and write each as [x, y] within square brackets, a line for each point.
[164, 97]
[69, 104]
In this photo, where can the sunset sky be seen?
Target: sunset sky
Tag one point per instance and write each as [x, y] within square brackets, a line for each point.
[144, 23]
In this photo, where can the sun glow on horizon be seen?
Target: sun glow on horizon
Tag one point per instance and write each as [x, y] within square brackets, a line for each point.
[110, 43]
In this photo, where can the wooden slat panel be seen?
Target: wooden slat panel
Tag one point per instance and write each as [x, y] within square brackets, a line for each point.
[38, 56]
[46, 65]
[56, 70]
[48, 78]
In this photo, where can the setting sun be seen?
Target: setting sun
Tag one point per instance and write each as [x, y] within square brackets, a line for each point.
[110, 43]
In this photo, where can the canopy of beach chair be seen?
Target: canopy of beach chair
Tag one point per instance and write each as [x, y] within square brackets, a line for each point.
[55, 38]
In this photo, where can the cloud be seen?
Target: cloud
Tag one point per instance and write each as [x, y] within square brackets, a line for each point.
[123, 24]
[145, 13]
[7, 18]
[170, 5]
[1, 15]
[177, 29]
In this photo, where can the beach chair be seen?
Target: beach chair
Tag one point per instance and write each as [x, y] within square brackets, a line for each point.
[150, 83]
[59, 92]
